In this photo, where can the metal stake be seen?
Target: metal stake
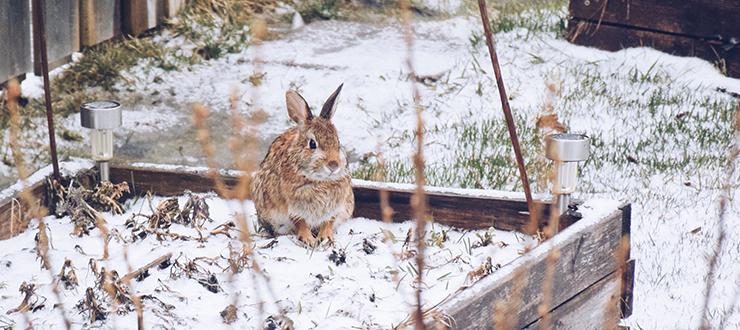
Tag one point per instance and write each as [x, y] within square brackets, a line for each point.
[507, 113]
[38, 12]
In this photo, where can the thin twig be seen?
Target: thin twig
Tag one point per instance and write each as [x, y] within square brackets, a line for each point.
[419, 199]
[131, 275]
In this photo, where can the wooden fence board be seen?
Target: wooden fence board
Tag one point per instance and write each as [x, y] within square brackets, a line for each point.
[100, 20]
[15, 39]
[708, 19]
[587, 255]
[140, 16]
[62, 33]
[611, 37]
[173, 7]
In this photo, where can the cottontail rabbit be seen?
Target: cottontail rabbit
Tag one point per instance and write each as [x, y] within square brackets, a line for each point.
[303, 184]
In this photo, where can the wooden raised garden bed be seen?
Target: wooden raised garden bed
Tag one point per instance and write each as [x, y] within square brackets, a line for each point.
[590, 287]
[701, 28]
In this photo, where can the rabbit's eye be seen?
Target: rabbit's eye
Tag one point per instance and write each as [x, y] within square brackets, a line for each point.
[312, 143]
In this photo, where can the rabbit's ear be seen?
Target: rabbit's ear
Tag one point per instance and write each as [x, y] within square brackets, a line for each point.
[297, 107]
[330, 106]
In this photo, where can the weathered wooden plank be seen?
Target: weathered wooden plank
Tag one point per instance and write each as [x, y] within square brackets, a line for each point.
[62, 33]
[99, 21]
[164, 182]
[15, 39]
[628, 287]
[587, 254]
[588, 309]
[709, 19]
[610, 37]
[628, 276]
[13, 211]
[173, 7]
[470, 212]
[140, 16]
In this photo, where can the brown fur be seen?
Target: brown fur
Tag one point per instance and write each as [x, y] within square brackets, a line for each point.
[294, 190]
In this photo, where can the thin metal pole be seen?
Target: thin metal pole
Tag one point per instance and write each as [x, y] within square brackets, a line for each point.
[38, 11]
[507, 112]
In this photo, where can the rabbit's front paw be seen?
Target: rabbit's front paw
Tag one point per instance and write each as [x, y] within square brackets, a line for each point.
[326, 233]
[304, 233]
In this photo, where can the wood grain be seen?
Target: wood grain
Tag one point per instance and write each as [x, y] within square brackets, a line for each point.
[708, 19]
[15, 17]
[611, 37]
[586, 310]
[12, 207]
[141, 15]
[100, 20]
[586, 256]
[62, 18]
[469, 212]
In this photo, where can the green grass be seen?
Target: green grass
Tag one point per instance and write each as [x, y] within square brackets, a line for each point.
[481, 157]
[668, 128]
[534, 16]
[665, 128]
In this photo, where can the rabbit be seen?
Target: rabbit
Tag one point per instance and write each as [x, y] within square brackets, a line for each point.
[304, 184]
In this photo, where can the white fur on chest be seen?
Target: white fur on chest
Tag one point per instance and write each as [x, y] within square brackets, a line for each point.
[313, 206]
[314, 217]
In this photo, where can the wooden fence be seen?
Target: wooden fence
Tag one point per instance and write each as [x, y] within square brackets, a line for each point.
[72, 25]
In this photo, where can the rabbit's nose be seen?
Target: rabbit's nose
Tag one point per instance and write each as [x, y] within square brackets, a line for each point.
[333, 165]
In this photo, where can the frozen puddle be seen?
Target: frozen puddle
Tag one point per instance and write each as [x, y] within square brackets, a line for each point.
[361, 282]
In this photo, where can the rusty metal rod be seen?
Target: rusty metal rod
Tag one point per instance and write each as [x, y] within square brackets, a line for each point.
[507, 113]
[38, 12]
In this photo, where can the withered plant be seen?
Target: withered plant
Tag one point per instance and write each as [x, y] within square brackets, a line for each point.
[418, 201]
[31, 300]
[36, 210]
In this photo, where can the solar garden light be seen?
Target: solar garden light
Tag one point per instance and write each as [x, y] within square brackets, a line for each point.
[566, 150]
[102, 117]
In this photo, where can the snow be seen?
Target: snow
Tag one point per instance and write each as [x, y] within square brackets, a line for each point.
[592, 211]
[313, 291]
[375, 115]
[65, 168]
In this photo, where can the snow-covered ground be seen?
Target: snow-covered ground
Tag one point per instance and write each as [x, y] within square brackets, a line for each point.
[661, 112]
[363, 281]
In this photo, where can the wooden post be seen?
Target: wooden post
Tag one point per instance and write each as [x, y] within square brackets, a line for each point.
[15, 39]
[62, 33]
[100, 20]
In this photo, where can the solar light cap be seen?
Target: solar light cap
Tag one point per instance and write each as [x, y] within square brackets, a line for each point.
[567, 147]
[104, 114]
